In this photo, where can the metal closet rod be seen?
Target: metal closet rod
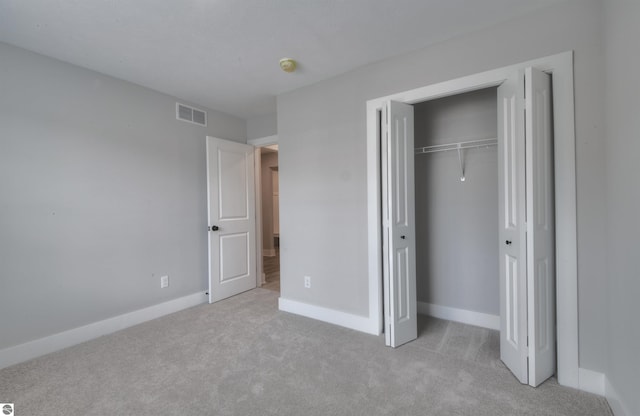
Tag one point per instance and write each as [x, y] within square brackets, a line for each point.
[460, 146]
[456, 146]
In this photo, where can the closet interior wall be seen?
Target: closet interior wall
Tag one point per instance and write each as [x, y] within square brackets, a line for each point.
[457, 221]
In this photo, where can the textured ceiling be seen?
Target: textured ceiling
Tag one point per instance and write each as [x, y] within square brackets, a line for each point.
[223, 54]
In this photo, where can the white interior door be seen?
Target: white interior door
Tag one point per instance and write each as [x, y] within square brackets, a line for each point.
[540, 222]
[399, 224]
[512, 233]
[527, 268]
[231, 197]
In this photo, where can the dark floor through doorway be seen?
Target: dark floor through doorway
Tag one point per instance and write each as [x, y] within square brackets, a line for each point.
[271, 267]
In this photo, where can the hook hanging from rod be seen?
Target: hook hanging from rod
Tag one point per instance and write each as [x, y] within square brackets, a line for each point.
[461, 160]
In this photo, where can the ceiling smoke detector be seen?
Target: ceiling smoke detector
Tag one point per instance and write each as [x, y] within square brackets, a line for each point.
[287, 64]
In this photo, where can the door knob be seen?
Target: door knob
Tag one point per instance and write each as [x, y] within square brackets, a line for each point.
[214, 228]
[508, 242]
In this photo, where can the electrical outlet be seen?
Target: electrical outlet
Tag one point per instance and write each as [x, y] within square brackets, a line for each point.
[307, 282]
[164, 282]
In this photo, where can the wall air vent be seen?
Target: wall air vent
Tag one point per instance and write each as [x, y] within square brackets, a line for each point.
[191, 115]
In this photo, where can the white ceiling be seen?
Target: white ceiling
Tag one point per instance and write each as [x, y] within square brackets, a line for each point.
[223, 54]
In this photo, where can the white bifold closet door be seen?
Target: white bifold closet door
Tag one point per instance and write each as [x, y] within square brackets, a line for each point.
[527, 266]
[398, 196]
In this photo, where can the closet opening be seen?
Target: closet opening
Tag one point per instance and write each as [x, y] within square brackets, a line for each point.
[456, 208]
[561, 184]
[443, 251]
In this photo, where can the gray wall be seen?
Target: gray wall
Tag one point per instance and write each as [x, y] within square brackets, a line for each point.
[623, 199]
[262, 126]
[269, 161]
[102, 191]
[322, 137]
[457, 222]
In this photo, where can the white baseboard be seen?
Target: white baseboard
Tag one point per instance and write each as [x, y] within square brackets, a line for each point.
[32, 349]
[591, 381]
[347, 320]
[480, 319]
[616, 405]
[269, 252]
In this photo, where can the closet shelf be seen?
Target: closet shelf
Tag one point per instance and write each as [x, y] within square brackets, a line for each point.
[456, 146]
[459, 146]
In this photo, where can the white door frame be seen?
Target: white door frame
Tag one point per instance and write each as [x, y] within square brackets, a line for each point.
[561, 68]
[258, 143]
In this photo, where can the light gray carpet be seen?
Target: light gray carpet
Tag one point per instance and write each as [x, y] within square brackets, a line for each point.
[243, 357]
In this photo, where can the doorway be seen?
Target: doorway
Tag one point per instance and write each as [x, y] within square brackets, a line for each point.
[561, 67]
[270, 217]
[456, 202]
[525, 208]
